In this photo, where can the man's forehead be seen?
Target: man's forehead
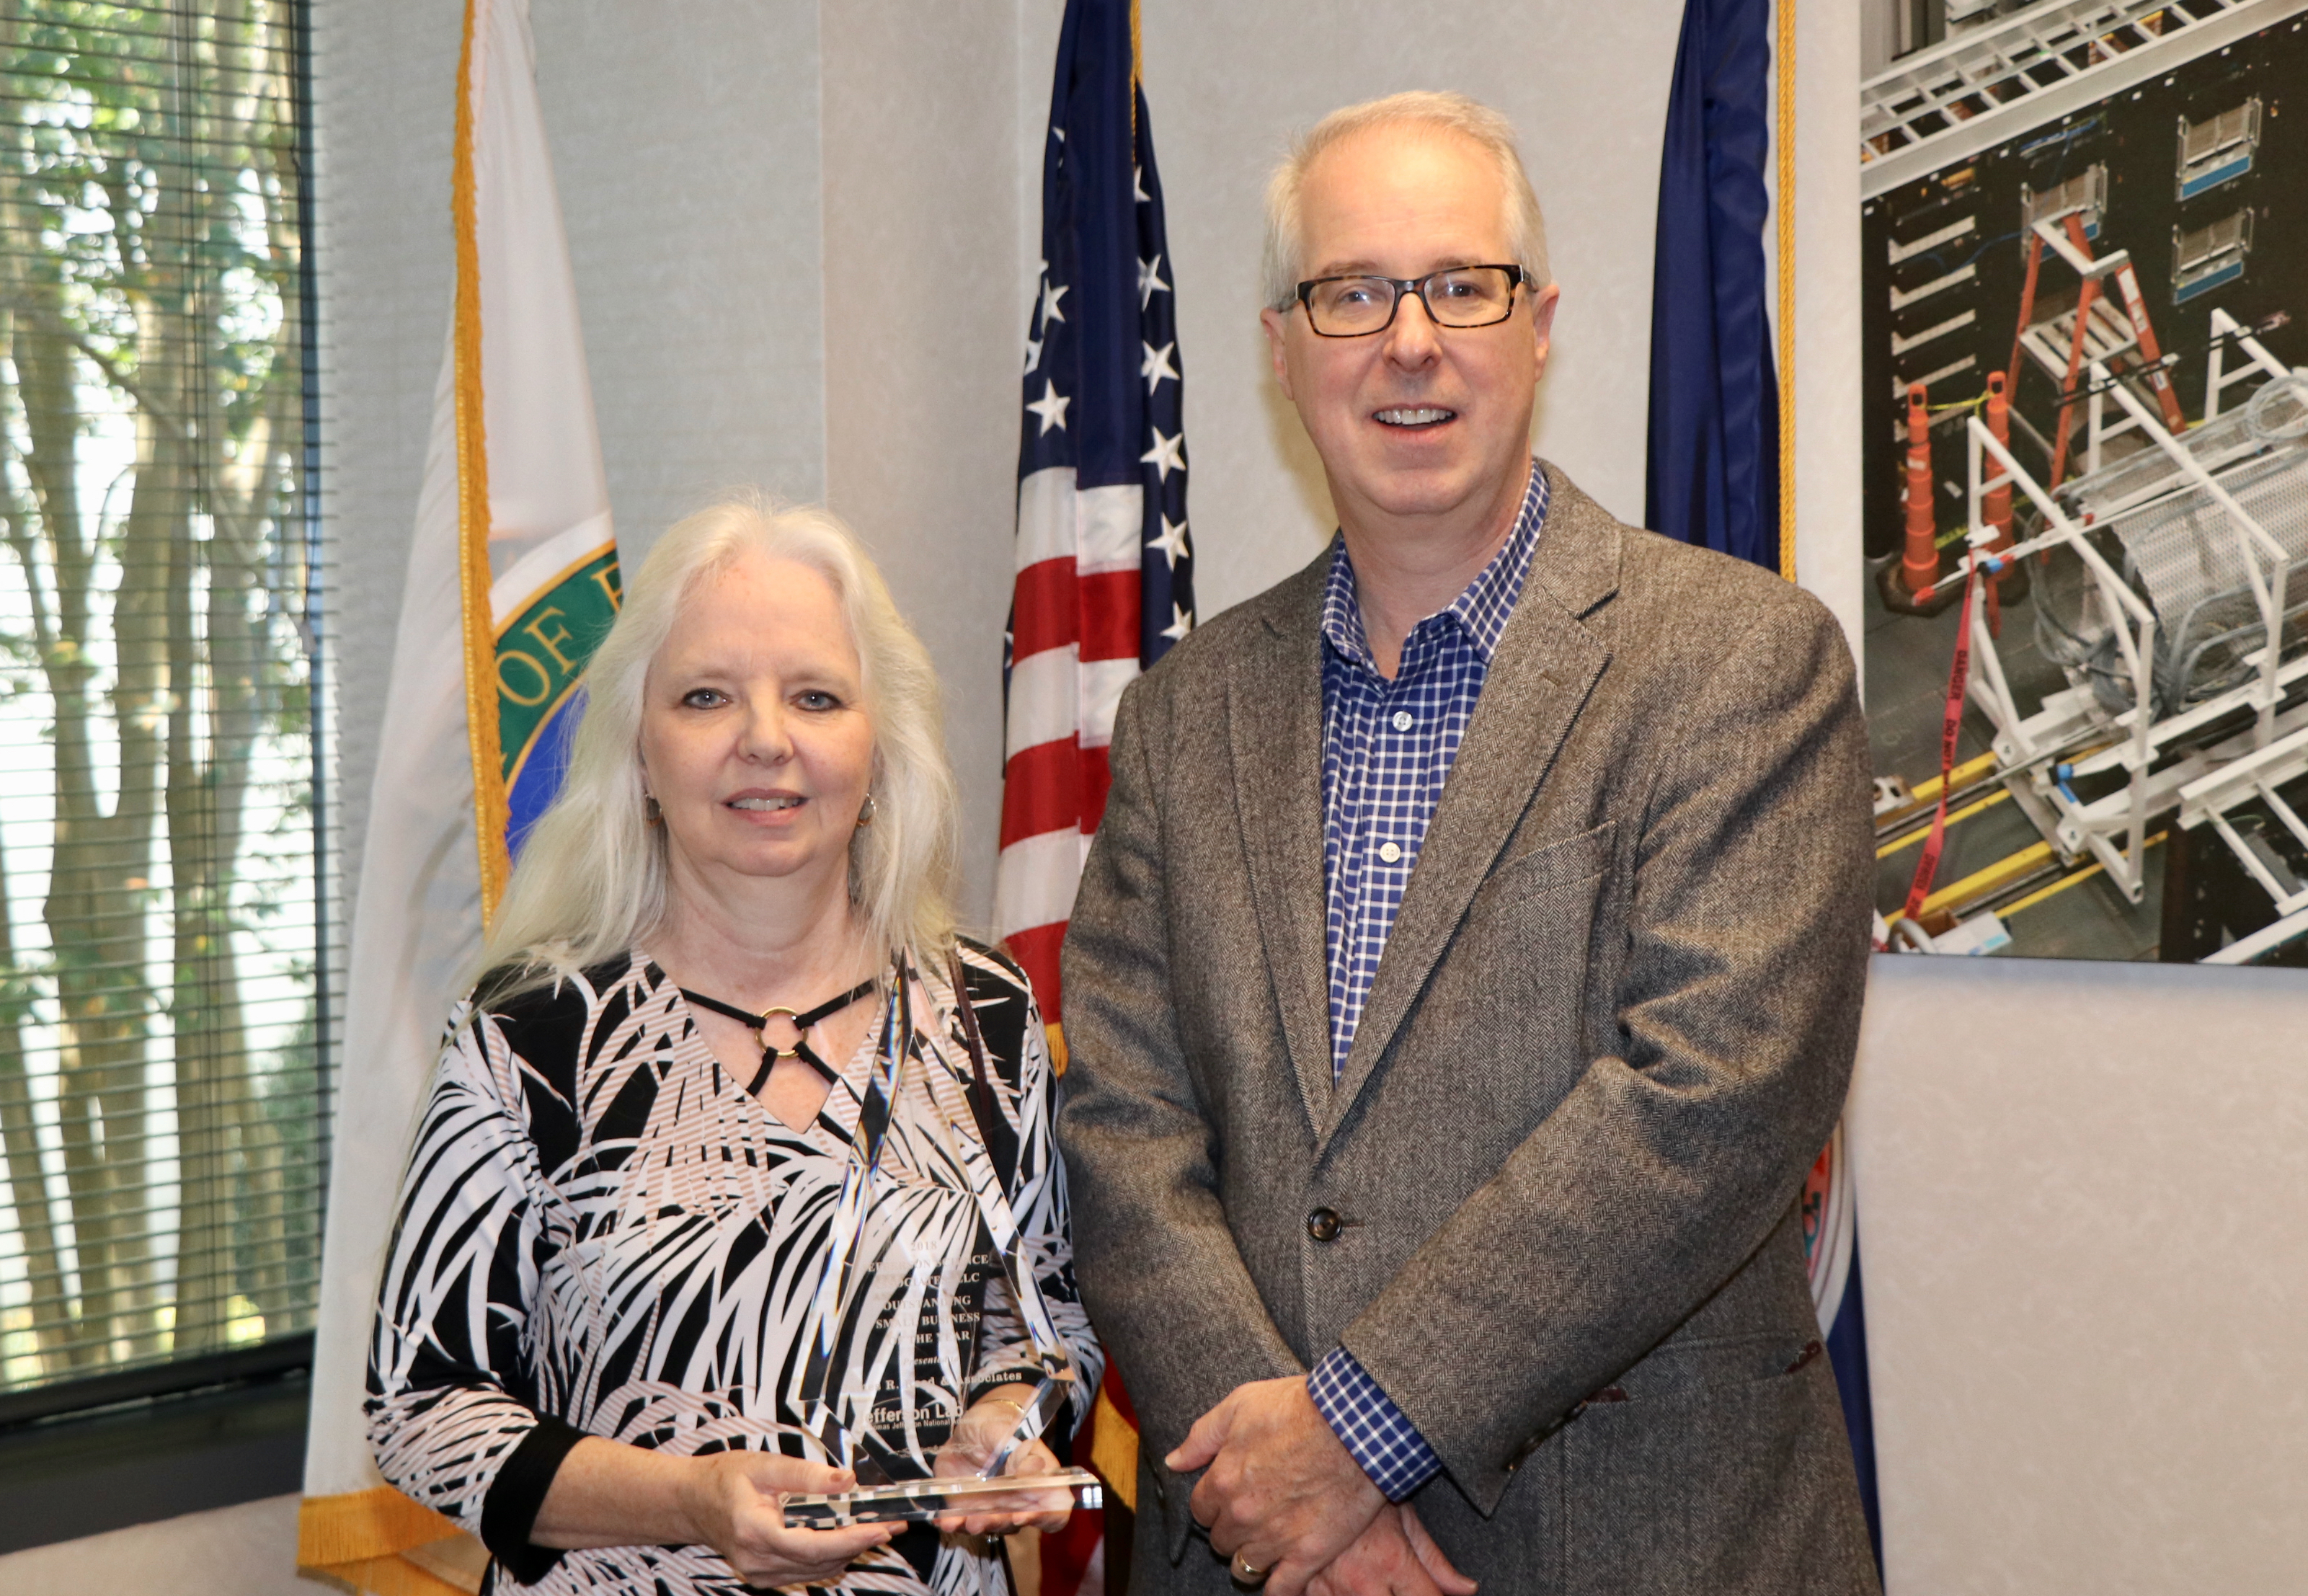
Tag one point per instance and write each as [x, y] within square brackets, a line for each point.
[1434, 178]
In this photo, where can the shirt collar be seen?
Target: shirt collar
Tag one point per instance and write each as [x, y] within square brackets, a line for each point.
[1481, 611]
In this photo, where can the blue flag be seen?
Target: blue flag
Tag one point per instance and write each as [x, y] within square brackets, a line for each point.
[1847, 1351]
[1831, 1236]
[1713, 475]
[1713, 479]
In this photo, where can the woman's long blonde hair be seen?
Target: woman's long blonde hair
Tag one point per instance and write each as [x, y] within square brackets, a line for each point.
[591, 880]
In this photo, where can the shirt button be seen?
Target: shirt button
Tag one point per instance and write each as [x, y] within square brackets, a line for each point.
[1402, 720]
[1389, 852]
[1323, 1224]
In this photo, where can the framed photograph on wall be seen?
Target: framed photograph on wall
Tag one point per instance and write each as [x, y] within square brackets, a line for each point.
[2085, 346]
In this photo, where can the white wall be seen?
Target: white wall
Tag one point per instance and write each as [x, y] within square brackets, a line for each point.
[688, 160]
[2083, 1200]
[1829, 559]
[923, 325]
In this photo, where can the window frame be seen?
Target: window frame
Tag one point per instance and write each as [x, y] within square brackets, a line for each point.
[186, 1450]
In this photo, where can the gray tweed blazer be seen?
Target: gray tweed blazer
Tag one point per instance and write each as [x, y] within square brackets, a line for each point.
[1611, 1030]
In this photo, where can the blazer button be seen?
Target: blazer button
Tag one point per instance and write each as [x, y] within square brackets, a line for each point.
[1323, 1224]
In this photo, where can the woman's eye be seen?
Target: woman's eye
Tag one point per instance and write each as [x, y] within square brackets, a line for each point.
[703, 698]
[815, 699]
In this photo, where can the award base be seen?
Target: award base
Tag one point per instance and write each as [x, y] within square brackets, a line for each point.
[917, 1500]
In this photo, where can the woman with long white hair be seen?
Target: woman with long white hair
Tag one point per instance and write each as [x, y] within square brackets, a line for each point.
[630, 1304]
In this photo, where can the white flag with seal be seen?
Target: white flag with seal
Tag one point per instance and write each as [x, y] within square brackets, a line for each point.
[512, 582]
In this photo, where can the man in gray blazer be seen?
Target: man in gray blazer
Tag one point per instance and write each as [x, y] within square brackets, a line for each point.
[1434, 1143]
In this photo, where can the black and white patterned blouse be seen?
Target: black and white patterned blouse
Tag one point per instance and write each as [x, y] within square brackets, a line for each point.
[601, 1233]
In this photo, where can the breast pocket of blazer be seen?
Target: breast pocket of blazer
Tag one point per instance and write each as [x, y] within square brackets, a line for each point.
[1585, 857]
[1519, 963]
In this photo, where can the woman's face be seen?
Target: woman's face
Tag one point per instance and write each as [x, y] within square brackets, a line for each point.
[754, 741]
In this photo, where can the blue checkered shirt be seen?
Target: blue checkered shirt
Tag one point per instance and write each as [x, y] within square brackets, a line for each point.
[1387, 749]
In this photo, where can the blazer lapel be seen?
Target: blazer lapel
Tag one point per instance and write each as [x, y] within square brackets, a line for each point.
[1274, 722]
[1546, 663]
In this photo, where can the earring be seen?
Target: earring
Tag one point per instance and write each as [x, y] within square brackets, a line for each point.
[651, 813]
[866, 814]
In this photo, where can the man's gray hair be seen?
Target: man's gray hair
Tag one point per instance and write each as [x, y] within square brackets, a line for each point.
[1453, 112]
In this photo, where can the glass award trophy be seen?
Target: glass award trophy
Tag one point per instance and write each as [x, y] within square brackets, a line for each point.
[894, 1329]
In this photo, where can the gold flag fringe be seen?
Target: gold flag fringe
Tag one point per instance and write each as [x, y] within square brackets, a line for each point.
[378, 1540]
[1113, 1450]
[489, 808]
[1784, 70]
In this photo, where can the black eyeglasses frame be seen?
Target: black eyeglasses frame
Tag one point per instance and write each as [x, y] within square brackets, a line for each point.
[1403, 285]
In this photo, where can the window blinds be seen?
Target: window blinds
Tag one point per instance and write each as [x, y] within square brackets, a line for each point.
[162, 1006]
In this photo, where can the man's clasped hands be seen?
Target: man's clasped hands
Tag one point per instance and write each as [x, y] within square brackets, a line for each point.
[1285, 1502]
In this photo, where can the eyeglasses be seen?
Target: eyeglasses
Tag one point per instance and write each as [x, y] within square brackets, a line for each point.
[1459, 296]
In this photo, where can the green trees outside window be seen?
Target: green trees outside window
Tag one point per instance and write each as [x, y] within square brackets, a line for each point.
[160, 904]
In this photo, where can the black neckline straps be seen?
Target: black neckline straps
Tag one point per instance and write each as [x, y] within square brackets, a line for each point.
[801, 1050]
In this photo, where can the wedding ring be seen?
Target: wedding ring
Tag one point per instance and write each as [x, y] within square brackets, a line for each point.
[1245, 1574]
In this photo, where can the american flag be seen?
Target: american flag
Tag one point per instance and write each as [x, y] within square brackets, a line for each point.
[1104, 581]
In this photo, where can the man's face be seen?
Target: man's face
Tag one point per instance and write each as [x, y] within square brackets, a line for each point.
[1417, 421]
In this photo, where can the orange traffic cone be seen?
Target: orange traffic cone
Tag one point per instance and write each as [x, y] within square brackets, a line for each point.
[1918, 565]
[1995, 503]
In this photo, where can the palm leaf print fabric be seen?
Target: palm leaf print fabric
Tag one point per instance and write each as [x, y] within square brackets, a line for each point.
[602, 1233]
